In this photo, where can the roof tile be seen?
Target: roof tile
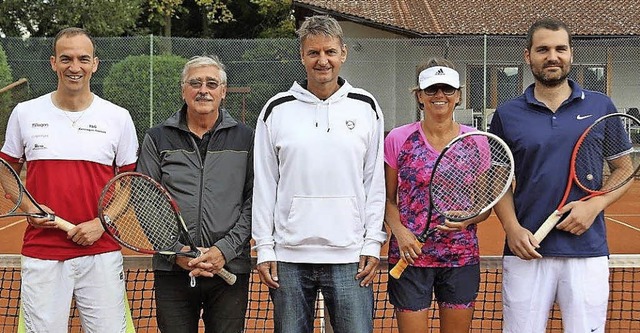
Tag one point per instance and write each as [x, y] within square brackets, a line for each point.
[473, 17]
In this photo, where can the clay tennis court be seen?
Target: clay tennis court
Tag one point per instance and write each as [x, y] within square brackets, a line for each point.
[623, 227]
[622, 218]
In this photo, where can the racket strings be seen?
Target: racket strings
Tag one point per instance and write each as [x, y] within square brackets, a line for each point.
[605, 158]
[10, 188]
[139, 214]
[470, 176]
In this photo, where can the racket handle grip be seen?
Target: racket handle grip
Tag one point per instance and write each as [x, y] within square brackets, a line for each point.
[63, 224]
[227, 276]
[397, 270]
[547, 226]
[401, 265]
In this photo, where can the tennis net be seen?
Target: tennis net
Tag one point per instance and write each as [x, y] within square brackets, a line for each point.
[623, 314]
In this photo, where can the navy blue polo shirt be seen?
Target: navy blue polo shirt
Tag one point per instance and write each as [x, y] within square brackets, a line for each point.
[542, 142]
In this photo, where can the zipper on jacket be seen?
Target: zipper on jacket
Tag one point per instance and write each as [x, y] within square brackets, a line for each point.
[198, 239]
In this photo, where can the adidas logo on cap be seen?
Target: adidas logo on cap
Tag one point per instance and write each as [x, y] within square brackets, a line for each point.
[438, 74]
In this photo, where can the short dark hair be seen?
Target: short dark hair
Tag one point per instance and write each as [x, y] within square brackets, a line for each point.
[549, 24]
[70, 32]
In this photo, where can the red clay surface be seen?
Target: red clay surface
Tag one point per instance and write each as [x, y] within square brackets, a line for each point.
[623, 227]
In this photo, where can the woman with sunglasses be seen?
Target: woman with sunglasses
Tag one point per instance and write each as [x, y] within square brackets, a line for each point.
[447, 264]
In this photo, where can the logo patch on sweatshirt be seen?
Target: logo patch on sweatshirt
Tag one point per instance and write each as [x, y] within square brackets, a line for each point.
[350, 124]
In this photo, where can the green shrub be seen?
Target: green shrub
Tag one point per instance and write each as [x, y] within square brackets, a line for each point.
[128, 85]
[6, 101]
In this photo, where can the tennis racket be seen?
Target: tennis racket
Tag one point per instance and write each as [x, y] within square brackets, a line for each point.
[141, 215]
[17, 201]
[602, 161]
[468, 178]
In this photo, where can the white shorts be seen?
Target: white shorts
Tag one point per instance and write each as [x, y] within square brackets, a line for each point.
[580, 286]
[96, 282]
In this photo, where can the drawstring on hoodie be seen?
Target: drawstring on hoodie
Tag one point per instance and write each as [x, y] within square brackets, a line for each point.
[300, 93]
[328, 118]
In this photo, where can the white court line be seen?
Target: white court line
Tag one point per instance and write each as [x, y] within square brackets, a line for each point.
[632, 214]
[624, 224]
[12, 224]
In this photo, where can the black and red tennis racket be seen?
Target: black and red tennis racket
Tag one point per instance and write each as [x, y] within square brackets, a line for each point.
[468, 178]
[141, 215]
[602, 161]
[17, 201]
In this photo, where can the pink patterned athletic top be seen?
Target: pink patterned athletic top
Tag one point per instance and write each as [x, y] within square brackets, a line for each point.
[406, 150]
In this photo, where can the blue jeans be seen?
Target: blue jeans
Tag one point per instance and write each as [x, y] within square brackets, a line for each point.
[350, 306]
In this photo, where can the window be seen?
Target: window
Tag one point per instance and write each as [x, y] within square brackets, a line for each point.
[591, 77]
[503, 82]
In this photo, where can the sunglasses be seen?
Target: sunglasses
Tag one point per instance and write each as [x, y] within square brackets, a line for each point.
[446, 89]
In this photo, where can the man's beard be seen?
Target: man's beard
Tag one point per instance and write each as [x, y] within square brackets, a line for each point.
[551, 82]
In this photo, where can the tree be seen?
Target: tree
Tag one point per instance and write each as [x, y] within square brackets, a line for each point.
[162, 11]
[278, 20]
[46, 18]
[184, 18]
[220, 19]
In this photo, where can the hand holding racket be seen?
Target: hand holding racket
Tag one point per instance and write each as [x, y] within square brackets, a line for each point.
[602, 161]
[17, 201]
[468, 178]
[141, 215]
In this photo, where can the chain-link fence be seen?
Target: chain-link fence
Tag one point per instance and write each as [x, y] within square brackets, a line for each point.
[142, 73]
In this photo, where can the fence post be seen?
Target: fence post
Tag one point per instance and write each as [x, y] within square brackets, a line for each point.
[484, 82]
[150, 80]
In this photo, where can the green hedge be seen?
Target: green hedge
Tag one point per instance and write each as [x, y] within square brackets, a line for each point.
[127, 85]
[6, 100]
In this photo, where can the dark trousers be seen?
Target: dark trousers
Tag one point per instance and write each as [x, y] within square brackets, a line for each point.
[179, 306]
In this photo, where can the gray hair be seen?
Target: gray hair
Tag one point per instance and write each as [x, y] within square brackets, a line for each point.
[320, 25]
[204, 61]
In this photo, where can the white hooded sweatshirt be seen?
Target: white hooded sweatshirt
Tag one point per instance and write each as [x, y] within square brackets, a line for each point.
[319, 192]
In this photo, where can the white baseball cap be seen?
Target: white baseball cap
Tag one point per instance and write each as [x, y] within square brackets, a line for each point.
[439, 75]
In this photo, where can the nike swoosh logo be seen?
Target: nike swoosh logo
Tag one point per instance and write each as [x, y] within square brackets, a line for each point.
[579, 117]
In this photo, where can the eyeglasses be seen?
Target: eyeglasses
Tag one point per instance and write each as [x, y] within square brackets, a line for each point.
[197, 84]
[446, 89]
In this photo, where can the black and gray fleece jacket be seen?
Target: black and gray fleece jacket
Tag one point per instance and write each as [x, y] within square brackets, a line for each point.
[214, 193]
